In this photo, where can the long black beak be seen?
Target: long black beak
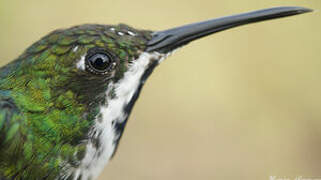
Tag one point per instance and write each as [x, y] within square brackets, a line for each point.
[168, 40]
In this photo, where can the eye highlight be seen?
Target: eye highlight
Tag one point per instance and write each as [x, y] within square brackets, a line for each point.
[99, 62]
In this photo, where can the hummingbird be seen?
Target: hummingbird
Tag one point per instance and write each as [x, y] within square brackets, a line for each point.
[65, 101]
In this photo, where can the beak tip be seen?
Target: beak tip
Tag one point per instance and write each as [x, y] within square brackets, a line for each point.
[304, 10]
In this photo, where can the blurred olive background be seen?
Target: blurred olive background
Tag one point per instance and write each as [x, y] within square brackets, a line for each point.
[241, 104]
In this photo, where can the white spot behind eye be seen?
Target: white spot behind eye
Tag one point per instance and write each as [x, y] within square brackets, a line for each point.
[81, 63]
[75, 49]
[112, 29]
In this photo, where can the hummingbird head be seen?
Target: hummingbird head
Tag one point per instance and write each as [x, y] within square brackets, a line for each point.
[82, 82]
[86, 59]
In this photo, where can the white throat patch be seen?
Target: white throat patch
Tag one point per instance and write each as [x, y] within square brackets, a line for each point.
[104, 130]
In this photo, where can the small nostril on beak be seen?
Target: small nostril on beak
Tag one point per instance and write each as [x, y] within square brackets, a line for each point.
[157, 37]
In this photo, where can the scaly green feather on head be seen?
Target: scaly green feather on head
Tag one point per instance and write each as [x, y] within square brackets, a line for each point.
[58, 100]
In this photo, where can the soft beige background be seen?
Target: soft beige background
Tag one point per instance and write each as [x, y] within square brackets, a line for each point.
[241, 104]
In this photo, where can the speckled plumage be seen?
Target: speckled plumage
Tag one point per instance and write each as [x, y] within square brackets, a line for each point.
[47, 104]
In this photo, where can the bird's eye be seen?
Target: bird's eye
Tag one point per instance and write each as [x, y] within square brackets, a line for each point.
[99, 62]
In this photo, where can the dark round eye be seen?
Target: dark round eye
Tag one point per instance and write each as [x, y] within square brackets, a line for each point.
[100, 63]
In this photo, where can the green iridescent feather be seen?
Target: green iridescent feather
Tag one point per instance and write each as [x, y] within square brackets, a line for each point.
[47, 105]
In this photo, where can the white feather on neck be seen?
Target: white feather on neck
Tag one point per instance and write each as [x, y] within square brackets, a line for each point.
[96, 158]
